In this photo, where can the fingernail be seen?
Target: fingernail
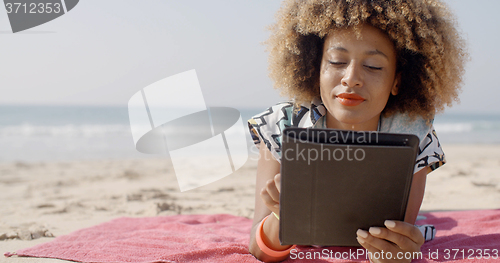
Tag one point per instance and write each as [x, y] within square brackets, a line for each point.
[361, 241]
[389, 223]
[362, 233]
[375, 230]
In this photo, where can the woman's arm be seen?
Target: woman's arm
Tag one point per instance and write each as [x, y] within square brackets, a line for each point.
[416, 195]
[266, 201]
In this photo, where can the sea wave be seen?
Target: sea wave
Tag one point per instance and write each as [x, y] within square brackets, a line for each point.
[453, 127]
[69, 130]
[88, 130]
[467, 127]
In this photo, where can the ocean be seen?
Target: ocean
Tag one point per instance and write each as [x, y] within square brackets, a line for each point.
[65, 133]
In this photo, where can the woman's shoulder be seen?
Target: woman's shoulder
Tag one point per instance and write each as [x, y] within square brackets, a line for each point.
[268, 125]
[430, 153]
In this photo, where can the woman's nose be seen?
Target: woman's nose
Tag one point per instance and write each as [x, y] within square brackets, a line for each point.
[352, 76]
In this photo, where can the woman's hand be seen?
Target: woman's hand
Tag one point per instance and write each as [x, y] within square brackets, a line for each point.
[270, 194]
[406, 242]
[267, 196]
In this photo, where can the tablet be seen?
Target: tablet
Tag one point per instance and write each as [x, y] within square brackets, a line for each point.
[334, 182]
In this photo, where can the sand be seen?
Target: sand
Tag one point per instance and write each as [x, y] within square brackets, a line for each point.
[42, 200]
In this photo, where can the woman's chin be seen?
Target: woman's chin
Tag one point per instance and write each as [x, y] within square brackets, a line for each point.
[353, 121]
[350, 119]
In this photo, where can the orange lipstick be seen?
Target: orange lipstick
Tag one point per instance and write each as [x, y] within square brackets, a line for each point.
[349, 99]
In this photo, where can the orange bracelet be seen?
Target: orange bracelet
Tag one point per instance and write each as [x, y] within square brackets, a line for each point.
[265, 249]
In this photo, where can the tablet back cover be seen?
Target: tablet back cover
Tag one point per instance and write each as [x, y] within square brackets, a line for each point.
[333, 186]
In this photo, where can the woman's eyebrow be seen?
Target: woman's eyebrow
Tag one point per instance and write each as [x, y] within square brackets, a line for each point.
[369, 52]
[341, 49]
[376, 52]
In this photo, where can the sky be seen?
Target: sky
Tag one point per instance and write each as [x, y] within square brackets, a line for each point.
[102, 52]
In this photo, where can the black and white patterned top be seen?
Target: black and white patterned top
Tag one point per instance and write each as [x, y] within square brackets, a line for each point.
[268, 125]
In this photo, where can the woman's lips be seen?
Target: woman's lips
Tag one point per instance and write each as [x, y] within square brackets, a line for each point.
[349, 99]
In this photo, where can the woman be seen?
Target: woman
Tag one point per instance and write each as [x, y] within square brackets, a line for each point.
[357, 65]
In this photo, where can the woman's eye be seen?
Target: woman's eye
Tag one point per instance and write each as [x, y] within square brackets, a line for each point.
[337, 63]
[373, 68]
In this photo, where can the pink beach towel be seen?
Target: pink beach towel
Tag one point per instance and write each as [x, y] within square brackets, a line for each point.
[224, 238]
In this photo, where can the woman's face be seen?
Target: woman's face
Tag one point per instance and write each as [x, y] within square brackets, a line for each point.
[357, 76]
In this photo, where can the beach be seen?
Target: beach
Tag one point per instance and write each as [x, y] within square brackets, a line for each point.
[43, 200]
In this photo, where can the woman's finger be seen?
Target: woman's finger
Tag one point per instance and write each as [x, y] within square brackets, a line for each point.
[377, 243]
[405, 229]
[268, 200]
[273, 190]
[277, 182]
[399, 240]
[368, 247]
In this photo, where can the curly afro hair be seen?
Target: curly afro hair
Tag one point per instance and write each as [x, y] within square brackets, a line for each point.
[431, 53]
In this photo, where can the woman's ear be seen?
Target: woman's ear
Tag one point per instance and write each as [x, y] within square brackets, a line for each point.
[395, 86]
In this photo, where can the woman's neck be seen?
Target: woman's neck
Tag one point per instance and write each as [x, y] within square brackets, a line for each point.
[370, 125]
